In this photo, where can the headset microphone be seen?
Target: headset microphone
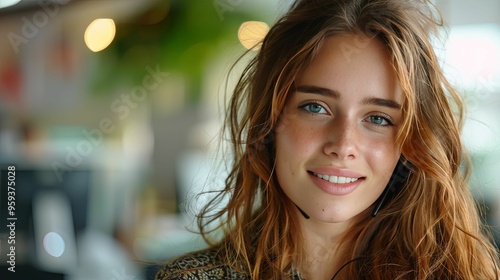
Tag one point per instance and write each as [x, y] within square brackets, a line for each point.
[302, 212]
[398, 180]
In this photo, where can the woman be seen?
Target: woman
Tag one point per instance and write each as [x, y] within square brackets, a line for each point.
[342, 95]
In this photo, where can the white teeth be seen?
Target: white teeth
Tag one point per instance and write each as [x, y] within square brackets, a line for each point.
[336, 179]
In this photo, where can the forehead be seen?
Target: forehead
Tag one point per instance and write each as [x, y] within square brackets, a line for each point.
[353, 63]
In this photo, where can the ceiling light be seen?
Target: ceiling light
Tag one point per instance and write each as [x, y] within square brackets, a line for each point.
[251, 34]
[99, 34]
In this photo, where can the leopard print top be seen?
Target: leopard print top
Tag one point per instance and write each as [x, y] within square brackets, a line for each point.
[204, 265]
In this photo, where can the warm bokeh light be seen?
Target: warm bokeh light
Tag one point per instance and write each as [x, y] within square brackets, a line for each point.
[251, 34]
[99, 34]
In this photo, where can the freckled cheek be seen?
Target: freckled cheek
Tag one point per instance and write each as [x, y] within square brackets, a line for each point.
[294, 146]
[381, 155]
[301, 139]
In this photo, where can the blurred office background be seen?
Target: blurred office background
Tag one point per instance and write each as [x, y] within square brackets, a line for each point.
[113, 124]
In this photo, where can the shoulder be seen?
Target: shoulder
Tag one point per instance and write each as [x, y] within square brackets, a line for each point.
[206, 264]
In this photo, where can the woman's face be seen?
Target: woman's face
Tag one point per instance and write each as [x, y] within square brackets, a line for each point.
[335, 140]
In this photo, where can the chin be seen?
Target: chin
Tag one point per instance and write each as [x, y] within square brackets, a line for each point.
[335, 216]
[332, 218]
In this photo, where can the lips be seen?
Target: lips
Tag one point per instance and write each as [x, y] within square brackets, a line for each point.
[342, 183]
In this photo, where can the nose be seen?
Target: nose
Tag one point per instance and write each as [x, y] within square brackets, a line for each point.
[341, 140]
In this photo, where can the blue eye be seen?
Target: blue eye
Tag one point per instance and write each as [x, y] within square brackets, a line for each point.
[379, 120]
[314, 108]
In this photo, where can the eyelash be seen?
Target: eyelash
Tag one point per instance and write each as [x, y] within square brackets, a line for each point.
[312, 103]
[385, 117]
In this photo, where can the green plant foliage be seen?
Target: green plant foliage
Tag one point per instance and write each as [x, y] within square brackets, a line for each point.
[182, 42]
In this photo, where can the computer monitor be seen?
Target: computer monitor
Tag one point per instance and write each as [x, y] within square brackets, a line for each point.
[48, 215]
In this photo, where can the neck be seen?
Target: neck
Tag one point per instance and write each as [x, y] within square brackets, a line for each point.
[323, 246]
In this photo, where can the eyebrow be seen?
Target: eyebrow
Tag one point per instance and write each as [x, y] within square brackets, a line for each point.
[319, 90]
[336, 95]
[381, 102]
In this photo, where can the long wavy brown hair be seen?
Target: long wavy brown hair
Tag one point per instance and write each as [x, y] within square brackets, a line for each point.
[430, 230]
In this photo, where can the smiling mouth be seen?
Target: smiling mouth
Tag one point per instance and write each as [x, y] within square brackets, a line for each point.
[336, 179]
